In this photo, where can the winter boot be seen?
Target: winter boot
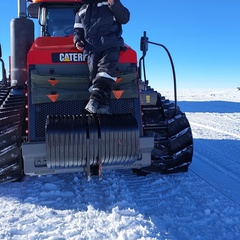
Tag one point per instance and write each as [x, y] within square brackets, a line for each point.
[104, 108]
[99, 102]
[92, 106]
[100, 96]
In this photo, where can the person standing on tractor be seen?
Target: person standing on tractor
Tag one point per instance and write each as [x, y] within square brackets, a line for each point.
[98, 32]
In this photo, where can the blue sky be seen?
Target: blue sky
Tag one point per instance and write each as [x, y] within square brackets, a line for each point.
[202, 36]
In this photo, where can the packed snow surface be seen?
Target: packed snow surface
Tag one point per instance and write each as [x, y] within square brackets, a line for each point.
[201, 204]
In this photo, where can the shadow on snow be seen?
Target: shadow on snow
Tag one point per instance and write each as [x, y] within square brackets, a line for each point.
[209, 106]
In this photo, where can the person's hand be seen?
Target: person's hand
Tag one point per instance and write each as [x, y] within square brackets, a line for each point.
[80, 45]
[110, 2]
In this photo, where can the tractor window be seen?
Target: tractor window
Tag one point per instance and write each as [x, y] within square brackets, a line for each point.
[59, 21]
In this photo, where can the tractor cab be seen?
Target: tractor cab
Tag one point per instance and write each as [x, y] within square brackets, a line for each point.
[56, 19]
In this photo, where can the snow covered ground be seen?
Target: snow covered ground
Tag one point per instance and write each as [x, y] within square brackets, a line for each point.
[201, 204]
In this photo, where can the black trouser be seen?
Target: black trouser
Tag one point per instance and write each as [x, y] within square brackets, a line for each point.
[102, 73]
[103, 62]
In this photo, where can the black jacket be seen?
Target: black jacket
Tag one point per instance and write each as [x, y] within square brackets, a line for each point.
[99, 25]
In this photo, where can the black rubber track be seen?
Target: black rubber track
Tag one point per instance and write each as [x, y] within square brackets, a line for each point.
[12, 127]
[173, 148]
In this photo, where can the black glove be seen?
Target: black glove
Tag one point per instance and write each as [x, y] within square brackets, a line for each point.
[79, 44]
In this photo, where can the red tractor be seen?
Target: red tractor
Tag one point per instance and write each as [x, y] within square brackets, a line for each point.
[44, 127]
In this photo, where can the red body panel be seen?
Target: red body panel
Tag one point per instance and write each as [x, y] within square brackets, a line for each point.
[43, 48]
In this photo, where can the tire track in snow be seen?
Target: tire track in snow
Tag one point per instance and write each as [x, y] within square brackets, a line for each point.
[225, 183]
[171, 202]
[217, 166]
[237, 136]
